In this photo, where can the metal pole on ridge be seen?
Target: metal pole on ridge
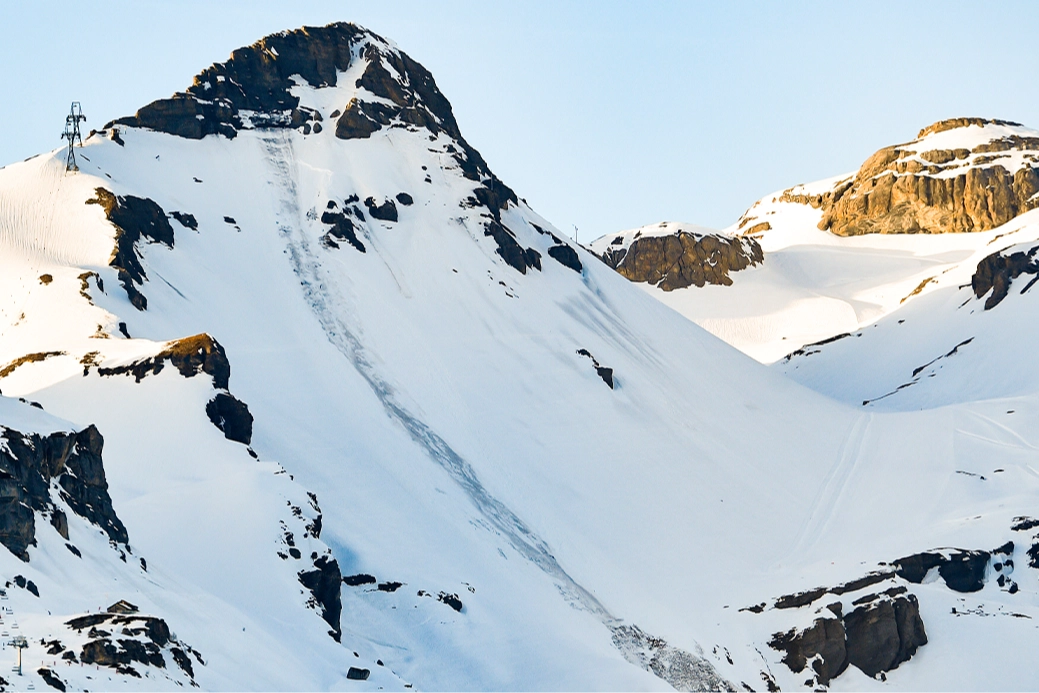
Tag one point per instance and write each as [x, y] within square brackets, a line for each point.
[71, 134]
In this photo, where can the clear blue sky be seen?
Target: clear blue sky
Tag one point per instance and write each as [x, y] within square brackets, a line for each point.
[604, 115]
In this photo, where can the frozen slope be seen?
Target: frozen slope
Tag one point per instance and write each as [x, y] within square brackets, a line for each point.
[574, 487]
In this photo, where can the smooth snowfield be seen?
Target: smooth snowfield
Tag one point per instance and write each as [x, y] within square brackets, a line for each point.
[433, 399]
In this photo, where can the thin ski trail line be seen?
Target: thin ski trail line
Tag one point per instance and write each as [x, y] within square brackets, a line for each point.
[833, 485]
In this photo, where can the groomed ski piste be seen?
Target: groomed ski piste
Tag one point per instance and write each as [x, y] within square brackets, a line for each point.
[530, 474]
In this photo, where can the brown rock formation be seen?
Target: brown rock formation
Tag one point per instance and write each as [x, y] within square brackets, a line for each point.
[899, 189]
[684, 259]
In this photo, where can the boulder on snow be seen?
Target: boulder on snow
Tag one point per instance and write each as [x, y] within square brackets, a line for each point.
[231, 415]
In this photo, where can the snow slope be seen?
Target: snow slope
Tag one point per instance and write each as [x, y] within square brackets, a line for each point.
[575, 487]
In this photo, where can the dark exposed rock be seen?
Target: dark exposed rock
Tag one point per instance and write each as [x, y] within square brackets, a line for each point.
[51, 679]
[605, 373]
[143, 640]
[27, 467]
[186, 220]
[883, 634]
[389, 586]
[1033, 555]
[191, 356]
[25, 584]
[104, 652]
[387, 211]
[60, 522]
[231, 415]
[962, 571]
[183, 661]
[359, 579]
[684, 259]
[914, 568]
[325, 583]
[342, 228]
[256, 78]
[799, 599]
[509, 249]
[893, 192]
[862, 582]
[826, 638]
[997, 271]
[356, 674]
[405, 199]
[134, 218]
[1023, 524]
[566, 256]
[451, 600]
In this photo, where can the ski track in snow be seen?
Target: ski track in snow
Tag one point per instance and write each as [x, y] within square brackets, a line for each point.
[690, 671]
[833, 487]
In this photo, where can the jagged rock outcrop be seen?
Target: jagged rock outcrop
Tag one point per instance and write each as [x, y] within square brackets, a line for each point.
[996, 272]
[190, 356]
[680, 259]
[252, 90]
[883, 631]
[232, 416]
[962, 570]
[823, 642]
[325, 584]
[134, 218]
[882, 634]
[918, 188]
[131, 638]
[29, 463]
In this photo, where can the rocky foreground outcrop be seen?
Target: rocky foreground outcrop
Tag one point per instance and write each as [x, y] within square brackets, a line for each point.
[672, 257]
[30, 466]
[959, 175]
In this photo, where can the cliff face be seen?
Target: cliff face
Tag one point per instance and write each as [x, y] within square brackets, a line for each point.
[959, 175]
[30, 464]
[679, 258]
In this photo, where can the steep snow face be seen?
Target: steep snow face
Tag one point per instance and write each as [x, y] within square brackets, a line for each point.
[529, 473]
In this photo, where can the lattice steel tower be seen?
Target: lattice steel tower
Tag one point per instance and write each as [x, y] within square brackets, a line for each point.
[72, 134]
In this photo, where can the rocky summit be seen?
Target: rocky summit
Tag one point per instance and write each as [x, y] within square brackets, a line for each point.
[958, 175]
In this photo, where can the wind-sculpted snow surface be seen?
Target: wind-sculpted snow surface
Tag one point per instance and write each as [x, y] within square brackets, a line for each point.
[531, 474]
